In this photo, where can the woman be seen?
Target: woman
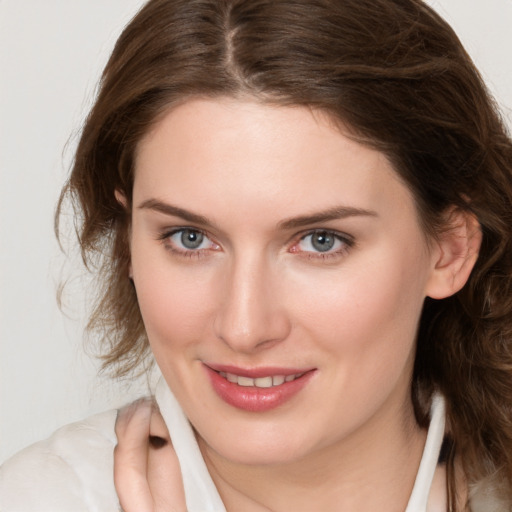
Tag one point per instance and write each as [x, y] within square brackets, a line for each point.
[302, 209]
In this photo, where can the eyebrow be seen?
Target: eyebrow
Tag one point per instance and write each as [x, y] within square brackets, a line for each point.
[175, 211]
[334, 213]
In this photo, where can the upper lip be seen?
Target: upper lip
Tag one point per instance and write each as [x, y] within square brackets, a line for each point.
[254, 373]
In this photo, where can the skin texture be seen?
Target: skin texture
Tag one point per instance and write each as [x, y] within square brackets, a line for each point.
[257, 293]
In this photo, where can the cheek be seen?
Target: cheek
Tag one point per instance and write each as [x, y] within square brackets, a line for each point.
[362, 323]
[176, 305]
[369, 309]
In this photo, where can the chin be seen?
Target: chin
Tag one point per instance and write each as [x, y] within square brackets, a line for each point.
[259, 445]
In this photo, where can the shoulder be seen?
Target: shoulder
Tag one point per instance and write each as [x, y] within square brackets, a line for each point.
[489, 495]
[69, 471]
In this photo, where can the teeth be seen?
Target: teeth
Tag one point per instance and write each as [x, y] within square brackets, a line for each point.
[245, 381]
[263, 382]
[260, 382]
[277, 380]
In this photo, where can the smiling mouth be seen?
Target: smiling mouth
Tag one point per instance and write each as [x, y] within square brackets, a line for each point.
[257, 389]
[269, 381]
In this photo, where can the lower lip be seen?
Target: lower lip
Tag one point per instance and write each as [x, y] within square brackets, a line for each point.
[255, 399]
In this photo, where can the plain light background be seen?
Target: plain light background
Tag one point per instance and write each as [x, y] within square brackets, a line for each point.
[51, 55]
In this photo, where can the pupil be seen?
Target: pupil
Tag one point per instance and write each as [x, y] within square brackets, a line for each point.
[191, 239]
[323, 241]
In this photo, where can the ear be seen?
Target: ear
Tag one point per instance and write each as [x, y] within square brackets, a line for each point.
[121, 199]
[454, 254]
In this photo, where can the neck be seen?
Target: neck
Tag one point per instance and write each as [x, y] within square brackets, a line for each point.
[373, 469]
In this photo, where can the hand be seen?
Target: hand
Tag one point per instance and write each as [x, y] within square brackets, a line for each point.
[147, 473]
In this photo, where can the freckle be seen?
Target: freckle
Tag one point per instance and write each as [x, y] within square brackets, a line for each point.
[157, 442]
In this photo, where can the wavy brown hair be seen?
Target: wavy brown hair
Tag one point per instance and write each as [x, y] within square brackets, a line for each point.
[397, 75]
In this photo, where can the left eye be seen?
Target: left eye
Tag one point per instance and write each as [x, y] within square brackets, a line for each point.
[321, 241]
[190, 240]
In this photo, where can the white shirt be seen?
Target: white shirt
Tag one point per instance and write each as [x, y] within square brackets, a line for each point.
[72, 470]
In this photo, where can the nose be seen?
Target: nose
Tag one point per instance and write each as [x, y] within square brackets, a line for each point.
[251, 316]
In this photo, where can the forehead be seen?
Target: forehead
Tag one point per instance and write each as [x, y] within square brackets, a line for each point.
[252, 157]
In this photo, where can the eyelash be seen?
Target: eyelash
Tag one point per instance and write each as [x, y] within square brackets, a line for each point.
[346, 240]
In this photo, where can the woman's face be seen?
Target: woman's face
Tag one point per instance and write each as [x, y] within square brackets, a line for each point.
[281, 271]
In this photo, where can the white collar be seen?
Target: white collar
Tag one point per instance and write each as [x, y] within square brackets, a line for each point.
[201, 495]
[421, 490]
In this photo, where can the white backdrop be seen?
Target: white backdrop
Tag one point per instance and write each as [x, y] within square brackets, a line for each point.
[51, 55]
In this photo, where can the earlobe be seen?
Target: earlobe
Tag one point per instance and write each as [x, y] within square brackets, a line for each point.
[454, 255]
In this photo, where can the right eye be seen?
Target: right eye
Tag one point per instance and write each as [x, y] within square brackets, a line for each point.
[188, 241]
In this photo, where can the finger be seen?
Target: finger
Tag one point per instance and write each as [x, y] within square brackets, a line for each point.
[131, 457]
[157, 428]
[164, 472]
